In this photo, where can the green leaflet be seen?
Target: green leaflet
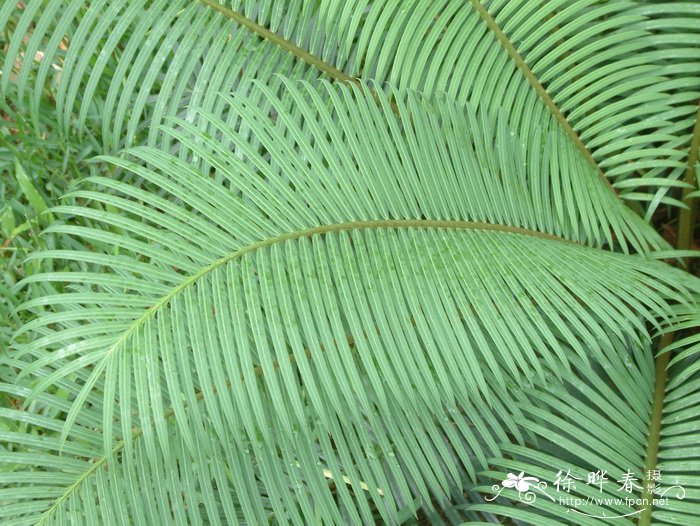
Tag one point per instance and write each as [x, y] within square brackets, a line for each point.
[35, 200]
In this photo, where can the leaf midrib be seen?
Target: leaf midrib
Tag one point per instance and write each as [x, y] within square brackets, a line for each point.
[289, 236]
[539, 89]
[276, 39]
[326, 229]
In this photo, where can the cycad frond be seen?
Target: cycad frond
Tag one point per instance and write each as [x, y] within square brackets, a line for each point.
[599, 423]
[122, 67]
[621, 77]
[331, 316]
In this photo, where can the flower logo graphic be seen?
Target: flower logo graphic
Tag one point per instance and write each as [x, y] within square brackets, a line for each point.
[524, 485]
[519, 482]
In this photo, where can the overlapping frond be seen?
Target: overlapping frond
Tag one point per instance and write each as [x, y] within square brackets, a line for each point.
[622, 77]
[625, 74]
[121, 67]
[323, 328]
[320, 298]
[598, 423]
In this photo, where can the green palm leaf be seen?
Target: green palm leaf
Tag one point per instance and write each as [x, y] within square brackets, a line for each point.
[306, 304]
[621, 77]
[118, 67]
[324, 329]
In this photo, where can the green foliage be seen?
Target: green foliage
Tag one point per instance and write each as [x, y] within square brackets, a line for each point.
[345, 262]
